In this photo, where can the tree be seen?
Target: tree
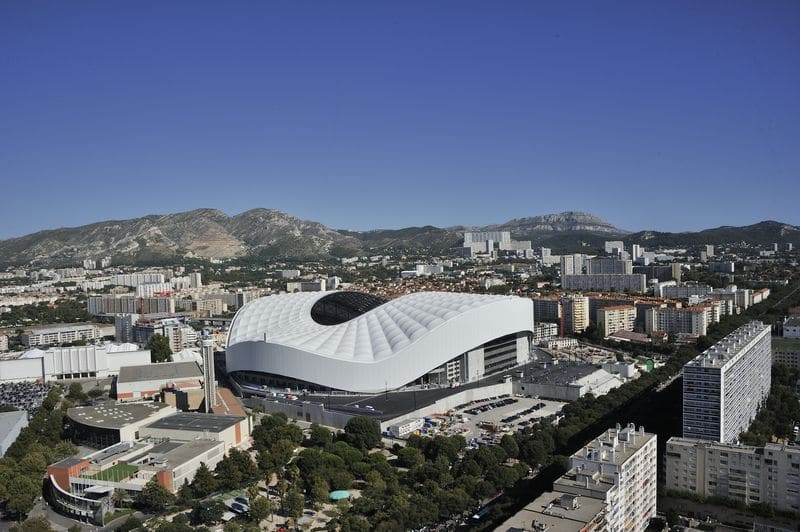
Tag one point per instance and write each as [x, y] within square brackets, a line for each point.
[75, 393]
[34, 524]
[207, 513]
[409, 457]
[204, 482]
[75, 528]
[160, 350]
[260, 509]
[155, 497]
[294, 503]
[509, 445]
[131, 523]
[94, 393]
[319, 436]
[363, 433]
[21, 493]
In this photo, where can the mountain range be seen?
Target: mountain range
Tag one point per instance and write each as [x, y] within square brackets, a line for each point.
[268, 233]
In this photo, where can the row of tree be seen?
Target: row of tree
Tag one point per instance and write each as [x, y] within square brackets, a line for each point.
[23, 466]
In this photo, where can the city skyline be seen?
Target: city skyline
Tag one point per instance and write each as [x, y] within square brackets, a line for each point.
[658, 117]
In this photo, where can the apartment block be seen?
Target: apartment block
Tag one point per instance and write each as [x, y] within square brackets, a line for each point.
[575, 314]
[724, 387]
[59, 335]
[689, 321]
[608, 265]
[616, 318]
[547, 309]
[686, 291]
[753, 475]
[543, 332]
[606, 282]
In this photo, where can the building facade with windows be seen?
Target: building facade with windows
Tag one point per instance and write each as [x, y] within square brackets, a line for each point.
[753, 475]
[724, 387]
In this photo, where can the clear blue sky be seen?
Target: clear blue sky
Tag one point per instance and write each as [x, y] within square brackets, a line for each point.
[650, 114]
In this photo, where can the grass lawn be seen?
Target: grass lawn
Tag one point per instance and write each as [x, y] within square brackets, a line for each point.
[785, 344]
[116, 473]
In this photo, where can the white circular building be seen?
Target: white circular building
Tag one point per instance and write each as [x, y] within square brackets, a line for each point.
[361, 343]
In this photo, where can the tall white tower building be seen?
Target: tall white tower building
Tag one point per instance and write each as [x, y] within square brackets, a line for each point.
[724, 387]
[210, 388]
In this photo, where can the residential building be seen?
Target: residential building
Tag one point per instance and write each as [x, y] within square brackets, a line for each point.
[709, 250]
[60, 335]
[724, 387]
[689, 321]
[768, 475]
[286, 274]
[135, 279]
[606, 282]
[685, 291]
[787, 358]
[791, 328]
[610, 245]
[123, 327]
[617, 318]
[572, 264]
[575, 310]
[3, 342]
[618, 470]
[547, 308]
[195, 280]
[543, 332]
[722, 267]
[429, 269]
[306, 286]
[608, 265]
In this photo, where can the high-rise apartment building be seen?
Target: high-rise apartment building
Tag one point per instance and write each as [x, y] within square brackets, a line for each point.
[689, 321]
[724, 387]
[619, 467]
[210, 383]
[575, 314]
[572, 264]
[608, 265]
[616, 318]
[606, 282]
[547, 308]
[753, 475]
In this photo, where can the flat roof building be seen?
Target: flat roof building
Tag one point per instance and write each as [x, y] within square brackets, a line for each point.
[109, 423]
[141, 382]
[724, 387]
[767, 475]
[232, 430]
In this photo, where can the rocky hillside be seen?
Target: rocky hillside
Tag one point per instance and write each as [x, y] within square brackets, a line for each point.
[268, 233]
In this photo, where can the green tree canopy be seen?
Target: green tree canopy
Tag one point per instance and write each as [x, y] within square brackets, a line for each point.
[159, 347]
[363, 433]
[155, 497]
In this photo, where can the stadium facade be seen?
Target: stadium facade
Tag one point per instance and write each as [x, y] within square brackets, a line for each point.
[361, 343]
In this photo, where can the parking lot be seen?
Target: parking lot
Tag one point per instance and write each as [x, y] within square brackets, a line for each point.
[483, 422]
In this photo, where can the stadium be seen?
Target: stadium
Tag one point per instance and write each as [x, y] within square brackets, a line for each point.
[356, 342]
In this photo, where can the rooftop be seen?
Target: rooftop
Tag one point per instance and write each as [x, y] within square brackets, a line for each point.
[555, 511]
[9, 419]
[165, 371]
[195, 421]
[114, 415]
[615, 446]
[719, 354]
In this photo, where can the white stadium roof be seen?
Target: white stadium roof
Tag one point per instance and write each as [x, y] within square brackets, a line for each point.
[371, 343]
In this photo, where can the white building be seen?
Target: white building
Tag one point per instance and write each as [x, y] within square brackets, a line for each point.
[575, 313]
[619, 469]
[11, 424]
[610, 245]
[306, 286]
[3, 342]
[358, 342]
[685, 291]
[70, 363]
[572, 264]
[689, 321]
[791, 328]
[429, 269]
[195, 280]
[405, 428]
[135, 279]
[616, 318]
[606, 282]
[724, 387]
[767, 475]
[60, 335]
[543, 332]
[136, 383]
[608, 265]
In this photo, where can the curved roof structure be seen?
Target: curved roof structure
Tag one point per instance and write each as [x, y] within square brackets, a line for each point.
[358, 342]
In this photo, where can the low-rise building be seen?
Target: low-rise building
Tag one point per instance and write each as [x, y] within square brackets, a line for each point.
[60, 335]
[791, 328]
[135, 383]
